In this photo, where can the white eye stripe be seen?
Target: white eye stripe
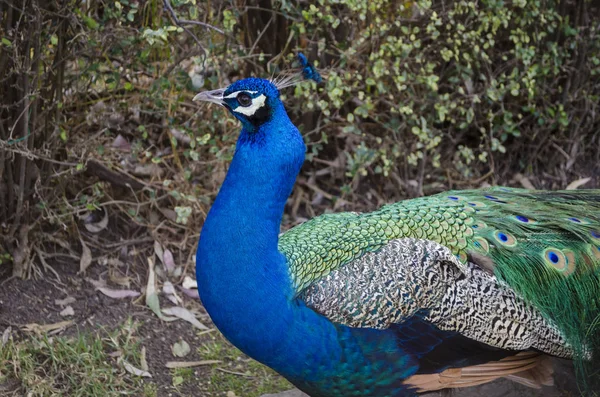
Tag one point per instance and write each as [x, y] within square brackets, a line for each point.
[234, 94]
[257, 103]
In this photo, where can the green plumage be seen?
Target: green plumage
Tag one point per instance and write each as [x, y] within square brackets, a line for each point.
[544, 245]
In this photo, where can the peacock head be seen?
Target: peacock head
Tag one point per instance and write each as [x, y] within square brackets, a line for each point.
[253, 101]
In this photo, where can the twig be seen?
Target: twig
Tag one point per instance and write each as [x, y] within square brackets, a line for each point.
[182, 22]
[261, 34]
[234, 373]
[179, 22]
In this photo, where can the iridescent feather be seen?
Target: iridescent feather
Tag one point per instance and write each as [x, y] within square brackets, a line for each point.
[544, 245]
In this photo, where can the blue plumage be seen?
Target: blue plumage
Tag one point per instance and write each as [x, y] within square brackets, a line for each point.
[308, 70]
[327, 347]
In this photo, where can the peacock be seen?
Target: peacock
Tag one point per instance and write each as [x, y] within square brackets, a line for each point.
[450, 290]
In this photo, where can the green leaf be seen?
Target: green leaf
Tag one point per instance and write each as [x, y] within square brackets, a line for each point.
[90, 22]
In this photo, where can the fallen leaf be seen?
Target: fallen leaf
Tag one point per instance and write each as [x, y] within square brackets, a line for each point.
[135, 371]
[169, 291]
[177, 380]
[180, 349]
[96, 283]
[118, 293]
[121, 143]
[34, 327]
[180, 136]
[158, 250]
[192, 293]
[168, 261]
[188, 364]
[143, 361]
[177, 272]
[169, 214]
[576, 183]
[151, 295]
[150, 169]
[67, 311]
[189, 283]
[64, 302]
[6, 335]
[123, 281]
[86, 257]
[524, 181]
[93, 224]
[184, 314]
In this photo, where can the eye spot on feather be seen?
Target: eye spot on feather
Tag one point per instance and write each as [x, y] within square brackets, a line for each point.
[522, 218]
[505, 239]
[596, 251]
[556, 259]
[477, 204]
[596, 235]
[482, 244]
[490, 197]
[570, 255]
[479, 225]
[461, 256]
[453, 198]
[581, 221]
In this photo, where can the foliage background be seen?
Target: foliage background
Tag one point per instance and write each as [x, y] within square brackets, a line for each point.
[96, 118]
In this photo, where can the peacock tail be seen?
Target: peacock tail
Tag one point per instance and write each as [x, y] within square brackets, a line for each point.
[544, 245]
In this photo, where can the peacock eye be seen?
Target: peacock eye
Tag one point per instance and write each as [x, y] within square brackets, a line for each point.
[244, 99]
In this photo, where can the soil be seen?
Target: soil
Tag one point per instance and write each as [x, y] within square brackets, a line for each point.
[24, 302]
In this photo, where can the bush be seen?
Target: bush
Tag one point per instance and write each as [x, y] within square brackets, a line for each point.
[96, 116]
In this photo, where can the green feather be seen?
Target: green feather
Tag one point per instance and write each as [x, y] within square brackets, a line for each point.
[544, 245]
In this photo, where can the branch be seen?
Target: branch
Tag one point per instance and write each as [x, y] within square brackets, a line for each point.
[182, 22]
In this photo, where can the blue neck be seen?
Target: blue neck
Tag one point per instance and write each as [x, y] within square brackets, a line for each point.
[243, 279]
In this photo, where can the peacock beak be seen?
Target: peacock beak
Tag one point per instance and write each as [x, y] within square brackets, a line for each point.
[215, 96]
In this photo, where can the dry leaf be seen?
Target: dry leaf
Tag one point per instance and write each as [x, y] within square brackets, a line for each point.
[118, 293]
[576, 183]
[158, 250]
[6, 335]
[169, 291]
[151, 295]
[180, 136]
[184, 314]
[96, 283]
[33, 327]
[180, 349]
[150, 169]
[524, 181]
[169, 214]
[192, 293]
[188, 364]
[96, 226]
[121, 143]
[135, 371]
[64, 302]
[123, 281]
[143, 361]
[67, 311]
[168, 261]
[86, 257]
[189, 283]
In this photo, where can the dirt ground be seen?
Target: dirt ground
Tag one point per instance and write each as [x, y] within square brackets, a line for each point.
[33, 301]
